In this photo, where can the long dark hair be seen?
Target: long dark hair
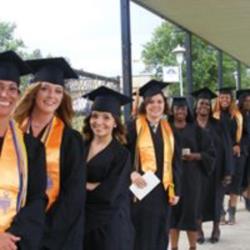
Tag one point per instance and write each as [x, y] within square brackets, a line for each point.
[119, 132]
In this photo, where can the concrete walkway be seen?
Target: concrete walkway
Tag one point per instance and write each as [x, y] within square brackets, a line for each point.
[235, 237]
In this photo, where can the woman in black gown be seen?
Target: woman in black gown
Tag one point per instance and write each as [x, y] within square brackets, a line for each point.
[243, 96]
[152, 145]
[230, 118]
[45, 111]
[108, 223]
[212, 185]
[197, 160]
[22, 164]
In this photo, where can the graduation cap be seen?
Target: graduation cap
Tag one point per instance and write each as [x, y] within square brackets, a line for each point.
[204, 93]
[152, 88]
[226, 90]
[107, 100]
[52, 70]
[179, 101]
[242, 93]
[12, 67]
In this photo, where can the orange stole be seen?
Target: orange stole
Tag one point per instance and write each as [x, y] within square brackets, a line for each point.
[146, 151]
[13, 171]
[52, 148]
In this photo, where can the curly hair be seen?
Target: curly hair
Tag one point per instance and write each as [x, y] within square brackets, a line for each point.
[119, 132]
[27, 102]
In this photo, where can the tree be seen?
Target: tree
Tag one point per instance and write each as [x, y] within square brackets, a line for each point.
[9, 42]
[158, 52]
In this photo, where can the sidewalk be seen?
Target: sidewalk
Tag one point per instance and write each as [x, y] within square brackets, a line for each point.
[235, 237]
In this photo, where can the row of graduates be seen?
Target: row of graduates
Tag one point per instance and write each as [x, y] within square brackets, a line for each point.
[94, 209]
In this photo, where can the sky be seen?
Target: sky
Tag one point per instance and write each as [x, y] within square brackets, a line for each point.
[87, 32]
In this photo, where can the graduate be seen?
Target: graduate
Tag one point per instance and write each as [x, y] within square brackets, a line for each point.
[45, 111]
[152, 145]
[108, 223]
[227, 112]
[197, 160]
[243, 96]
[22, 167]
[212, 185]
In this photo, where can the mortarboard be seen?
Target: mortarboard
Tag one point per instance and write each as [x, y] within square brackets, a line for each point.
[226, 90]
[152, 88]
[52, 70]
[242, 93]
[204, 93]
[12, 67]
[107, 100]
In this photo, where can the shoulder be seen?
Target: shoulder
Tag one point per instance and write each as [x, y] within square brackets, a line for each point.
[119, 150]
[72, 138]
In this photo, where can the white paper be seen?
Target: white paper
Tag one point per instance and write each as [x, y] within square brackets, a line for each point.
[152, 181]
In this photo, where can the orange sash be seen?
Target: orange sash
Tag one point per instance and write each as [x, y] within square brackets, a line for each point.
[146, 151]
[52, 139]
[235, 113]
[13, 172]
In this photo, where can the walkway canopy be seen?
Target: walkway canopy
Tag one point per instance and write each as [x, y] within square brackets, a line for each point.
[222, 23]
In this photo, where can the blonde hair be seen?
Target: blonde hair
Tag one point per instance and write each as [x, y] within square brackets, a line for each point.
[26, 104]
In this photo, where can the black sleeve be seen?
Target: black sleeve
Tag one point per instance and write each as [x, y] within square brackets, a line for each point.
[131, 140]
[62, 219]
[207, 151]
[29, 222]
[177, 168]
[234, 131]
[116, 182]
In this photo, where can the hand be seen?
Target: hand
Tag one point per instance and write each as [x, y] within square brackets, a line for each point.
[174, 200]
[90, 186]
[8, 241]
[137, 179]
[236, 150]
[226, 180]
[191, 157]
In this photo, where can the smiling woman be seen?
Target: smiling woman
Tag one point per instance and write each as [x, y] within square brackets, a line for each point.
[22, 158]
[45, 111]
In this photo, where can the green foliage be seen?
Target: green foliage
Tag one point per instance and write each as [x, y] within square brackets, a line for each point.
[158, 53]
[9, 42]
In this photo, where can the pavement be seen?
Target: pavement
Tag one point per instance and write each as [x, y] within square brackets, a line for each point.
[236, 237]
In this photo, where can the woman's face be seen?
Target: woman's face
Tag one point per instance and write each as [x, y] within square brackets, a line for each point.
[225, 100]
[102, 123]
[180, 113]
[49, 97]
[9, 95]
[246, 103]
[203, 107]
[155, 107]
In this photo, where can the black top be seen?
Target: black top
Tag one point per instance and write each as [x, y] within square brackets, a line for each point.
[64, 219]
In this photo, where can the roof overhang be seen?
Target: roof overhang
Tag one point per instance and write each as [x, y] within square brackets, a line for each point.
[223, 23]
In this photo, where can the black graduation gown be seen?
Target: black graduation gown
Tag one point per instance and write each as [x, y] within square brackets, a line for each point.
[108, 221]
[29, 221]
[245, 153]
[186, 213]
[151, 214]
[230, 126]
[212, 188]
[64, 220]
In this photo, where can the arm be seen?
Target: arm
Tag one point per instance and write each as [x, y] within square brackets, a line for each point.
[116, 182]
